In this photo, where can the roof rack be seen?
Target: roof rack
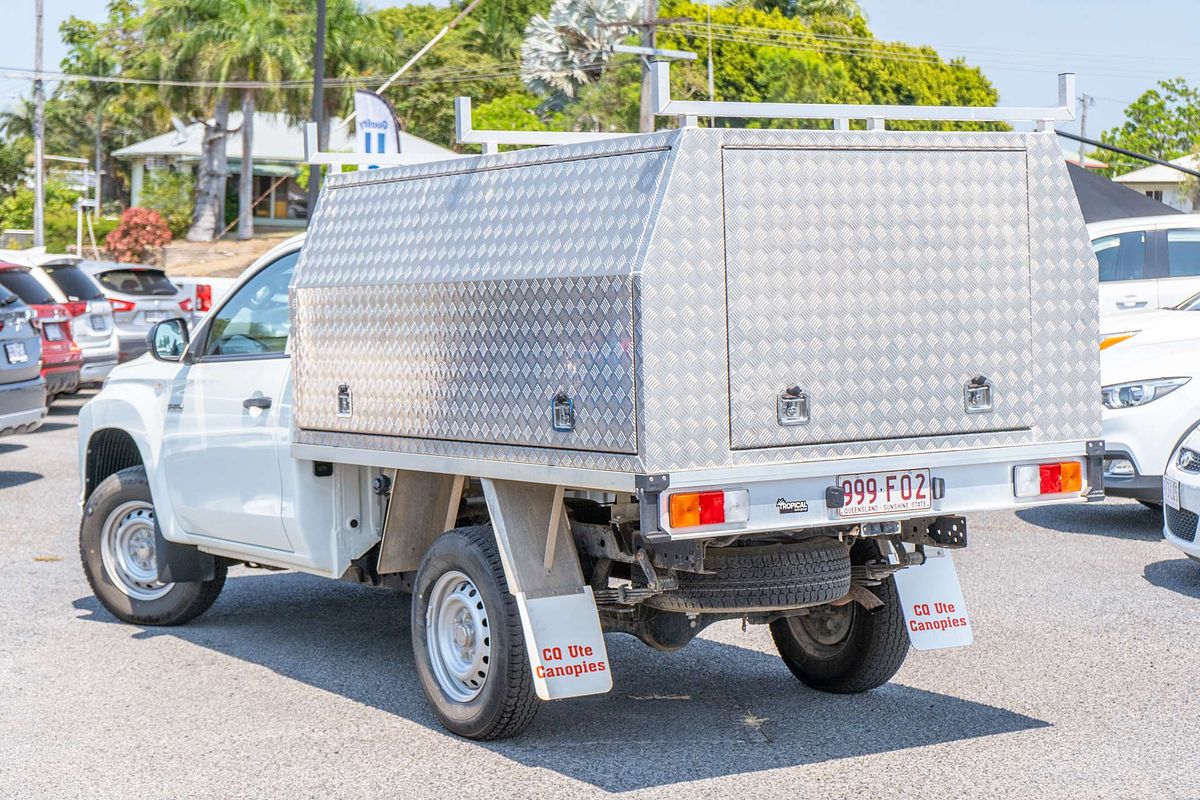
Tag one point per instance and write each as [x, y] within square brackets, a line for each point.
[841, 113]
[466, 133]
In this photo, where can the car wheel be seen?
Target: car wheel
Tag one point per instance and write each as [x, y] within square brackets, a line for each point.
[846, 649]
[117, 547]
[467, 638]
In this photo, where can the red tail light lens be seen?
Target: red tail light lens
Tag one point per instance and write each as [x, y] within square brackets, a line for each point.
[186, 304]
[77, 308]
[203, 297]
[122, 305]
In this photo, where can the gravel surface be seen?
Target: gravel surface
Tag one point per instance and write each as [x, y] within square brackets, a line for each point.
[1082, 683]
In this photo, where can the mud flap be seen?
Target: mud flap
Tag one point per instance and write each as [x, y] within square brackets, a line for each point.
[562, 630]
[935, 612]
[565, 644]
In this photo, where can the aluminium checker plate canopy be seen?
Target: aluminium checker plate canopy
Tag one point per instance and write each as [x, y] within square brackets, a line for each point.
[638, 305]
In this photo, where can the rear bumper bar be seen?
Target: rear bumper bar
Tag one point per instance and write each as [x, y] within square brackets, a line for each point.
[22, 405]
[971, 480]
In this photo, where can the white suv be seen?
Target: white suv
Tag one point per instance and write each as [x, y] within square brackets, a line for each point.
[1151, 399]
[1146, 262]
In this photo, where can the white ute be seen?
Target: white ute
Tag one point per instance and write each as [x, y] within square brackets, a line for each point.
[635, 385]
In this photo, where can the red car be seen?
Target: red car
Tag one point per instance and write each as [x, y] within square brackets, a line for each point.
[61, 357]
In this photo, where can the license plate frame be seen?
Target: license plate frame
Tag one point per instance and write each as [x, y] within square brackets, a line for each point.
[1171, 492]
[155, 317]
[54, 331]
[16, 352]
[916, 483]
[98, 323]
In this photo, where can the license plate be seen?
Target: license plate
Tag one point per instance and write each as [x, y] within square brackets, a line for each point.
[1171, 492]
[885, 492]
[156, 316]
[98, 324]
[16, 352]
[54, 332]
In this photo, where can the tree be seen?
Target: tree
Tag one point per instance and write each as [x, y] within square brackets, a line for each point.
[761, 56]
[100, 117]
[231, 41]
[1163, 122]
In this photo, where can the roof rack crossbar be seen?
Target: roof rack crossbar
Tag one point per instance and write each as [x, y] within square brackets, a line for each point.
[841, 113]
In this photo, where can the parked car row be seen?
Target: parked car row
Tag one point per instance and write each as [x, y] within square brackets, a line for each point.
[1150, 366]
[66, 322]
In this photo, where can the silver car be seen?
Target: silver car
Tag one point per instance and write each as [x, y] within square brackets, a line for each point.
[92, 323]
[141, 296]
[22, 388]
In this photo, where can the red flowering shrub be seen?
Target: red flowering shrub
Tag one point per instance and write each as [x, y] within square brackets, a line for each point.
[141, 234]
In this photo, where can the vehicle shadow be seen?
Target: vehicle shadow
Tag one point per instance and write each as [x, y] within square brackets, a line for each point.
[11, 448]
[10, 479]
[1120, 520]
[1180, 575]
[709, 710]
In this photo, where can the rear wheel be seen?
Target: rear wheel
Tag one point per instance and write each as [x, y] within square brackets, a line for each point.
[467, 638]
[117, 546]
[845, 649]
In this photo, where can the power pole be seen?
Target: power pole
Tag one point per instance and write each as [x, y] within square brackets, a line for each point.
[1085, 100]
[318, 107]
[39, 135]
[645, 114]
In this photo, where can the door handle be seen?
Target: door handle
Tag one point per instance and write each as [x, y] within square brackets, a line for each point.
[257, 402]
[1131, 301]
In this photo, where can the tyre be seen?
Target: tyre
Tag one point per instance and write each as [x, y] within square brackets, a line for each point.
[467, 639]
[116, 545]
[846, 649]
[763, 578]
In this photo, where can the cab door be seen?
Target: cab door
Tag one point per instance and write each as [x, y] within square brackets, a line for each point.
[224, 431]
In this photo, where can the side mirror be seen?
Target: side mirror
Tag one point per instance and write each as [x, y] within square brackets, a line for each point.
[168, 339]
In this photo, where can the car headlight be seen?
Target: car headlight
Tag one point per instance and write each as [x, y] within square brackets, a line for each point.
[1138, 393]
[1188, 460]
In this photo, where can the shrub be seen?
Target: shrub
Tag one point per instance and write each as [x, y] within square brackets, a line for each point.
[16, 210]
[60, 232]
[172, 195]
[139, 237]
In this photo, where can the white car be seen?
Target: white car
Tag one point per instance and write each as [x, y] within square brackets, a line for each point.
[1151, 396]
[1146, 262]
[1181, 493]
[1151, 324]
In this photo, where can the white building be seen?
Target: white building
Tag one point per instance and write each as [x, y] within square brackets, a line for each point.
[1162, 183]
[278, 157]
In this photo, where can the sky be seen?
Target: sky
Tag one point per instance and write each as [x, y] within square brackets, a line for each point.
[1116, 48]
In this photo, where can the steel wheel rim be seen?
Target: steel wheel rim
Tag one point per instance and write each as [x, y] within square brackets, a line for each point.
[128, 552]
[458, 637]
[825, 629]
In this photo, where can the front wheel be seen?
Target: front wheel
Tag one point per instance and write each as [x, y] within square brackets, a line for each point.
[117, 546]
[845, 649]
[467, 639]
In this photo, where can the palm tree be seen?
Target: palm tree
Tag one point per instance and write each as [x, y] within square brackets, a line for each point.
[227, 41]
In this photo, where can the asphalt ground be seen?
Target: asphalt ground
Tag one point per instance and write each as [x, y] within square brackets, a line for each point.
[1083, 682]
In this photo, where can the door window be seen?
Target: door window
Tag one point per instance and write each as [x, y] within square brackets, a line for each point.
[142, 282]
[1183, 253]
[1122, 256]
[256, 320]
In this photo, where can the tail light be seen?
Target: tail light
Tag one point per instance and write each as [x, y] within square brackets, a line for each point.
[691, 509]
[1033, 480]
[77, 308]
[122, 305]
[203, 297]
[186, 304]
